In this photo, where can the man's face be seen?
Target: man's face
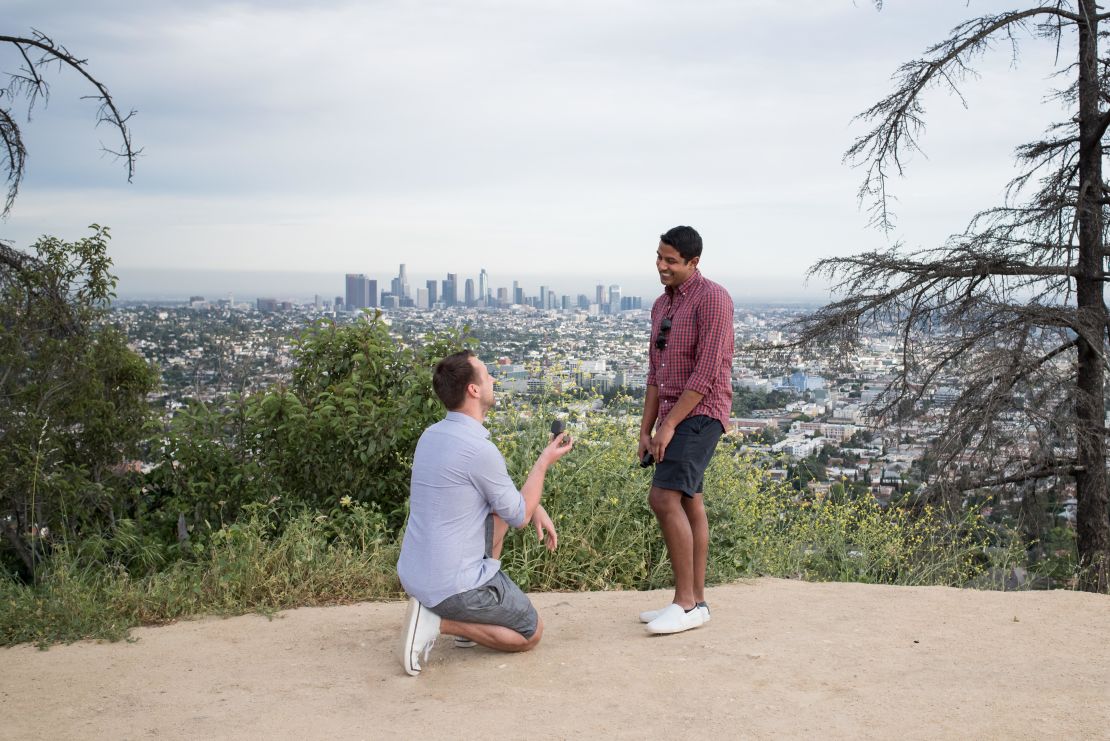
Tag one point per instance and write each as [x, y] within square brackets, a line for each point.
[484, 381]
[673, 270]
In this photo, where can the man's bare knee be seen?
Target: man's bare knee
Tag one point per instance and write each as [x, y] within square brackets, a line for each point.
[532, 642]
[664, 500]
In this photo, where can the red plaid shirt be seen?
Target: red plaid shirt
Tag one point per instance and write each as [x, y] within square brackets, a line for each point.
[699, 348]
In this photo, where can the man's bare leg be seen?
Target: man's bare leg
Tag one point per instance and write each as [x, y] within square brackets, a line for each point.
[677, 534]
[497, 637]
[699, 528]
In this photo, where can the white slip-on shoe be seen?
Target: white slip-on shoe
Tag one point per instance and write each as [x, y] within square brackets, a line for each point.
[675, 620]
[648, 615]
[418, 635]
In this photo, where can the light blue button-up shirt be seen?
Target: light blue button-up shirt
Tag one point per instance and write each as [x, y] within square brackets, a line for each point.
[458, 478]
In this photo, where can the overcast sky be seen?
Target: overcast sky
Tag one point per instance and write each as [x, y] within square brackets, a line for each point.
[533, 138]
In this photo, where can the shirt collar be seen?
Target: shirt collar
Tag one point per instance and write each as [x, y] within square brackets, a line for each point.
[469, 422]
[687, 285]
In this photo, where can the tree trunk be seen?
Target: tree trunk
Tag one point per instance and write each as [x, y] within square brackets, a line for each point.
[12, 531]
[1092, 517]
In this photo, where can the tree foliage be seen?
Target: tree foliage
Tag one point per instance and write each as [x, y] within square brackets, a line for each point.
[72, 395]
[1010, 311]
[344, 429]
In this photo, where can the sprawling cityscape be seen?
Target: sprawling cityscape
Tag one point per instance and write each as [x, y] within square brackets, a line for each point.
[807, 416]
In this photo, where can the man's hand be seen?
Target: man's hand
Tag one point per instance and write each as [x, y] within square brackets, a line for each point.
[559, 446]
[661, 440]
[545, 528]
[644, 446]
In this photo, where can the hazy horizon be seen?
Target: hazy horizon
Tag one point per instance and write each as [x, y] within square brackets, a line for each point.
[139, 284]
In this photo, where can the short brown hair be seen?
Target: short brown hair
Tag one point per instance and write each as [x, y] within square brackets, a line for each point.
[451, 377]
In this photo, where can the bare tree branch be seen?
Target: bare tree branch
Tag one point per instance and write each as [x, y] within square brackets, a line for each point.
[29, 83]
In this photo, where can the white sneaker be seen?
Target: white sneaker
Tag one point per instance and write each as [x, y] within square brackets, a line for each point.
[418, 635]
[675, 620]
[648, 615]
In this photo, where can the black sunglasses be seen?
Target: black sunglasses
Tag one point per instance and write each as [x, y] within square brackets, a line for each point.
[661, 340]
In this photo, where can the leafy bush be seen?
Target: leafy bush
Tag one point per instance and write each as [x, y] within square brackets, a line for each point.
[347, 426]
[72, 400]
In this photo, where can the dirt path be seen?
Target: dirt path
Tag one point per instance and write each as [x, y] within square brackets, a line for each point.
[779, 659]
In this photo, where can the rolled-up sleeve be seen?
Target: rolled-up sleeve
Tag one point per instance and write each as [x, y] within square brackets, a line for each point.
[715, 342]
[490, 477]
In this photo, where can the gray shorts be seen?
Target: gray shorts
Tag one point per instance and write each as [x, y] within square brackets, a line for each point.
[497, 602]
[688, 455]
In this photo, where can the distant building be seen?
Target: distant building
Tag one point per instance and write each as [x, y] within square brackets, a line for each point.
[449, 288]
[267, 305]
[358, 292]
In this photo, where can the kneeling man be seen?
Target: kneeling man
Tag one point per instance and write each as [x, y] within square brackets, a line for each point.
[461, 504]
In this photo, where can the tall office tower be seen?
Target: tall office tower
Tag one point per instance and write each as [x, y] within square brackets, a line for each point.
[404, 278]
[449, 287]
[518, 293]
[502, 297]
[550, 304]
[583, 301]
[469, 292]
[371, 294]
[338, 304]
[356, 292]
[483, 287]
[566, 303]
[433, 294]
[614, 299]
[422, 298]
[600, 296]
[543, 297]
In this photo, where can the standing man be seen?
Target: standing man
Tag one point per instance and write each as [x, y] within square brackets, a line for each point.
[688, 402]
[462, 502]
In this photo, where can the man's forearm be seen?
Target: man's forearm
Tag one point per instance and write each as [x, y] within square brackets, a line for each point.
[532, 490]
[682, 408]
[651, 410]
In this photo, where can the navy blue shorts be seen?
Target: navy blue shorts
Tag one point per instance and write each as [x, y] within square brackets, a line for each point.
[688, 455]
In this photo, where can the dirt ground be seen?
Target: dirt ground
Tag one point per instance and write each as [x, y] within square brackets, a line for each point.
[779, 659]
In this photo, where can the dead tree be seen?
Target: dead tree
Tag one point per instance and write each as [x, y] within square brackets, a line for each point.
[37, 54]
[1010, 311]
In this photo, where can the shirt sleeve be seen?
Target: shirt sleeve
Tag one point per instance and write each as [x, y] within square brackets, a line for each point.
[715, 341]
[651, 380]
[491, 479]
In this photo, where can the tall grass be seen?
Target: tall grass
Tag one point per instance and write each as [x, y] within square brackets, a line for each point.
[253, 566]
[608, 539]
